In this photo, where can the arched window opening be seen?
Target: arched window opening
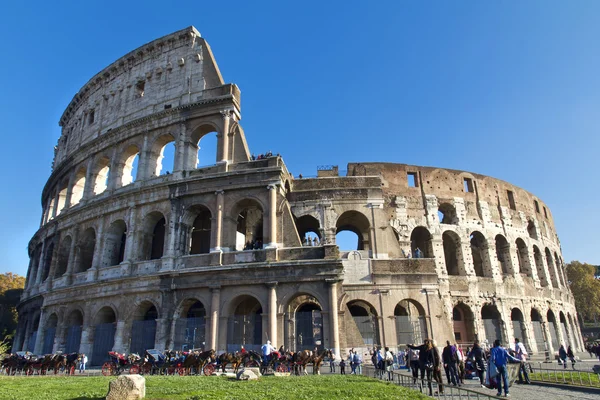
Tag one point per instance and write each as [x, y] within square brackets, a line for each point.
[62, 198]
[492, 323]
[523, 257]
[463, 323]
[356, 222]
[309, 231]
[131, 158]
[104, 335]
[47, 262]
[309, 327]
[553, 328]
[453, 253]
[158, 240]
[420, 243]
[479, 253]
[190, 326]
[560, 269]
[538, 330]
[518, 323]
[87, 245]
[143, 328]
[78, 187]
[245, 325]
[503, 255]
[531, 230]
[365, 320]
[50, 210]
[563, 328]
[49, 334]
[74, 326]
[348, 240]
[163, 155]
[551, 268]
[539, 264]
[63, 257]
[411, 322]
[249, 229]
[101, 182]
[114, 245]
[447, 214]
[207, 150]
[201, 232]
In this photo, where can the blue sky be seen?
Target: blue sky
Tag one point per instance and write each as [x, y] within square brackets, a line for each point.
[506, 89]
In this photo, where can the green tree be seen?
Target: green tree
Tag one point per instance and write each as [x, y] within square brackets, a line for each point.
[11, 287]
[585, 289]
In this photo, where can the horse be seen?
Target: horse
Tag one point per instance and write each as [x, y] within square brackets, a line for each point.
[235, 359]
[304, 357]
[198, 360]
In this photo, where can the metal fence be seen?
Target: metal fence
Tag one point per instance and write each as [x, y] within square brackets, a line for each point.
[104, 339]
[142, 336]
[566, 377]
[48, 340]
[439, 390]
[73, 339]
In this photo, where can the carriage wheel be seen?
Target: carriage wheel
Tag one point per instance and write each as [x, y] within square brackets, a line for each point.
[72, 370]
[146, 369]
[134, 369]
[181, 371]
[209, 369]
[107, 369]
[282, 368]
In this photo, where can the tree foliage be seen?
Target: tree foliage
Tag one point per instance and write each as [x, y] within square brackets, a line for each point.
[585, 288]
[11, 287]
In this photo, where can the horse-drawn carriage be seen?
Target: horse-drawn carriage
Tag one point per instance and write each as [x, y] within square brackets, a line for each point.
[119, 363]
[30, 364]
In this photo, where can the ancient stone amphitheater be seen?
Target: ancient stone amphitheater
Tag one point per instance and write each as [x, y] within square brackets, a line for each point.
[138, 251]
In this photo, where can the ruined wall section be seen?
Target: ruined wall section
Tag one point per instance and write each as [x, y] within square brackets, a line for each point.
[165, 73]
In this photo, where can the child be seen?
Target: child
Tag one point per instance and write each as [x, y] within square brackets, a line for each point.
[342, 367]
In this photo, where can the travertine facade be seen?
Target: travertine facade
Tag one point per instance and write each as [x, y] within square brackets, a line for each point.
[129, 256]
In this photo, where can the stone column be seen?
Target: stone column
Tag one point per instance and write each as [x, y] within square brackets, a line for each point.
[214, 317]
[87, 338]
[17, 343]
[119, 345]
[41, 332]
[333, 315]
[70, 190]
[224, 158]
[528, 338]
[143, 162]
[28, 329]
[217, 232]
[40, 264]
[272, 217]
[162, 333]
[55, 209]
[272, 312]
[548, 339]
[60, 338]
[88, 190]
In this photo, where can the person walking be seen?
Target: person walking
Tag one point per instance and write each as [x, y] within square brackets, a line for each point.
[571, 356]
[521, 354]
[332, 363]
[413, 362]
[562, 355]
[499, 356]
[342, 367]
[389, 364]
[422, 349]
[450, 360]
[477, 356]
[461, 363]
[82, 363]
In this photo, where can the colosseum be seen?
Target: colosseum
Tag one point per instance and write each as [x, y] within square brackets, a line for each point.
[138, 251]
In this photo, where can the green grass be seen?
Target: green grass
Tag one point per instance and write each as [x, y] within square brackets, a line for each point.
[330, 387]
[567, 377]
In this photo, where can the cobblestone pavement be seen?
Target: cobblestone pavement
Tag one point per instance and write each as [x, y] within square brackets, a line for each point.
[538, 392]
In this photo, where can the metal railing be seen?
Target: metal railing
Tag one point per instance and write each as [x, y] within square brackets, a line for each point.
[566, 377]
[439, 390]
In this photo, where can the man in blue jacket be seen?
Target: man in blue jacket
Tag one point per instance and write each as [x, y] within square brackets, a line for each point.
[499, 357]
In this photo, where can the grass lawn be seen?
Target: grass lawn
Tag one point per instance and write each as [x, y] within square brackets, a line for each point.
[330, 387]
[567, 377]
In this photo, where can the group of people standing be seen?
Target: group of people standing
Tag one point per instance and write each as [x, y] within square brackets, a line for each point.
[354, 360]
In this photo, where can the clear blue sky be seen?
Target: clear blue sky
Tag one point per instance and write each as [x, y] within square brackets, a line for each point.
[501, 88]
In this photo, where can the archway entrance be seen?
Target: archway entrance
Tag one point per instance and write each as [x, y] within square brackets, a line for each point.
[309, 327]
[518, 323]
[463, 322]
[143, 328]
[190, 327]
[538, 331]
[50, 334]
[74, 324]
[552, 327]
[104, 335]
[411, 322]
[491, 323]
[365, 318]
[245, 325]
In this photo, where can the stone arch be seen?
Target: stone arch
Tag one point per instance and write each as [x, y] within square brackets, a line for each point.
[143, 327]
[463, 321]
[245, 325]
[356, 222]
[539, 264]
[249, 224]
[49, 333]
[453, 256]
[190, 325]
[503, 255]
[86, 247]
[492, 323]
[518, 323]
[560, 270]
[102, 174]
[74, 325]
[156, 160]
[62, 262]
[531, 230]
[411, 322]
[207, 134]
[553, 328]
[63, 188]
[523, 258]
[152, 236]
[308, 228]
[128, 165]
[115, 240]
[199, 232]
[447, 214]
[564, 329]
[551, 268]
[538, 330]
[78, 186]
[304, 330]
[480, 254]
[103, 338]
[421, 239]
[365, 318]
